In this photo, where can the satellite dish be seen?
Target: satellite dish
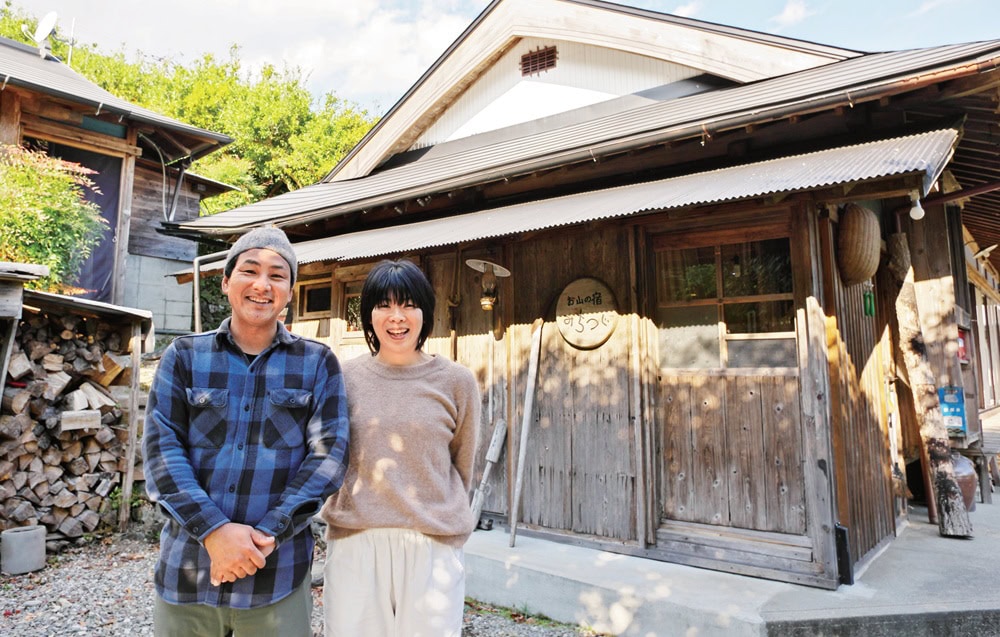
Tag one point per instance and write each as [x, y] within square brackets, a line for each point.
[45, 27]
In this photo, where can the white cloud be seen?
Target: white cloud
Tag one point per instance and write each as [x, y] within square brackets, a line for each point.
[926, 7]
[688, 10]
[367, 51]
[795, 11]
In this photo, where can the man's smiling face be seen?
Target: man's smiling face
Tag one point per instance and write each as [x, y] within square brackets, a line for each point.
[258, 289]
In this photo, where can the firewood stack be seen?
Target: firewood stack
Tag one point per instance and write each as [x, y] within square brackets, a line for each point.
[62, 439]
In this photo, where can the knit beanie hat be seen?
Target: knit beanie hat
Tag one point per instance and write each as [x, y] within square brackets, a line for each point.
[266, 238]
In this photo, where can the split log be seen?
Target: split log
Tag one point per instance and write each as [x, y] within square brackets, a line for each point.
[13, 427]
[19, 366]
[83, 419]
[97, 397]
[76, 400]
[57, 382]
[52, 362]
[15, 399]
[113, 365]
[953, 518]
[37, 350]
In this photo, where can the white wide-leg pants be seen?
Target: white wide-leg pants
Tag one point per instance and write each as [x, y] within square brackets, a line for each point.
[393, 583]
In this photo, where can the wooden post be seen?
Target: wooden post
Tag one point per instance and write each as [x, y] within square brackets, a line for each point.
[529, 408]
[953, 518]
[10, 117]
[125, 510]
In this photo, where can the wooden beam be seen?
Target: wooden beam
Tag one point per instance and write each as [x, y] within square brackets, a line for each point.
[953, 518]
[77, 137]
[124, 224]
[816, 435]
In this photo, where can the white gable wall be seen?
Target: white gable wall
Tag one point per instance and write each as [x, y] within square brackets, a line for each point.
[734, 54]
[583, 75]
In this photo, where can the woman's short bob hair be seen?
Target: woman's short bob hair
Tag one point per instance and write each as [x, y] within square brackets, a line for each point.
[396, 281]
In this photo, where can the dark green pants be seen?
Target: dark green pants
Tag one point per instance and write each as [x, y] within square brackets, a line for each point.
[291, 617]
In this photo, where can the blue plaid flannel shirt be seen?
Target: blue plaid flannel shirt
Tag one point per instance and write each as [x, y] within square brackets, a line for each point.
[261, 443]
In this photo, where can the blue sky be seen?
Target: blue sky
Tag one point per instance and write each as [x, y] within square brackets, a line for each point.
[371, 51]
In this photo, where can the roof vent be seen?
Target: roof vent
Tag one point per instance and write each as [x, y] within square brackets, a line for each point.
[538, 61]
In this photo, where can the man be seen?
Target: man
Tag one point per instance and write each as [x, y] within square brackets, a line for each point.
[246, 435]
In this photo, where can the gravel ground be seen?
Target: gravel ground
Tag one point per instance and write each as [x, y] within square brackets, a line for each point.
[106, 588]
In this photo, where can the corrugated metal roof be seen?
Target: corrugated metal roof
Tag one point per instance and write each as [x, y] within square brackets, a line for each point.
[21, 65]
[47, 300]
[760, 101]
[925, 153]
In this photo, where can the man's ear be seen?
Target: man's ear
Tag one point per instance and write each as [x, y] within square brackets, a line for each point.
[225, 284]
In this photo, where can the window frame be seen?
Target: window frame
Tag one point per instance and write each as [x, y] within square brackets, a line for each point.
[302, 312]
[717, 239]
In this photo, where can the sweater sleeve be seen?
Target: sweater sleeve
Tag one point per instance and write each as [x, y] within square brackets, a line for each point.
[464, 443]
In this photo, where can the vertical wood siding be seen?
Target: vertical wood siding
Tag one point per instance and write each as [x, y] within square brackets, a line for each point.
[733, 451]
[580, 472]
[864, 468]
[855, 348]
[148, 200]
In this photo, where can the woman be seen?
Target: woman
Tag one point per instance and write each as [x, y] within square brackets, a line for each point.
[396, 528]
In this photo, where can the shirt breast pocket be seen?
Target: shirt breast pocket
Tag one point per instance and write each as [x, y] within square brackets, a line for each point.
[285, 420]
[208, 416]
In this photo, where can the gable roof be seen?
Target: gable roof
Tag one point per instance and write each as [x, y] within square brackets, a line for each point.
[735, 54]
[21, 65]
[844, 83]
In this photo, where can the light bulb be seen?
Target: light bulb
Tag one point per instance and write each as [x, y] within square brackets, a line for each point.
[916, 210]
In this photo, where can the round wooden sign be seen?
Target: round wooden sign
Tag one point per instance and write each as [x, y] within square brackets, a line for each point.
[586, 313]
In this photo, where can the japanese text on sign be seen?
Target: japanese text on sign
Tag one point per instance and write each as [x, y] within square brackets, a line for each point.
[586, 313]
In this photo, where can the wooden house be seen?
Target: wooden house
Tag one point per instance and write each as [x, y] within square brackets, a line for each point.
[140, 158]
[710, 227]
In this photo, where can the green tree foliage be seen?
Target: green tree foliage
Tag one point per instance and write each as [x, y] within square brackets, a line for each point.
[44, 217]
[284, 139]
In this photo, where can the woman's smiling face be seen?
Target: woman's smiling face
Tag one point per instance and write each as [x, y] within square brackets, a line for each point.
[397, 326]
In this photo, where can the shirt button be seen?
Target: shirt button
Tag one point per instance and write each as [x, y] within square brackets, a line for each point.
[232, 488]
[246, 407]
[240, 446]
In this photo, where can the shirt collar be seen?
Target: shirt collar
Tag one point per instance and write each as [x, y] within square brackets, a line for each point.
[224, 335]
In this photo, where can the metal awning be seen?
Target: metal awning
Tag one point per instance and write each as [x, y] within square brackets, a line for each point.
[924, 154]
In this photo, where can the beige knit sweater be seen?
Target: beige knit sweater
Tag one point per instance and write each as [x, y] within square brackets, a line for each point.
[413, 442]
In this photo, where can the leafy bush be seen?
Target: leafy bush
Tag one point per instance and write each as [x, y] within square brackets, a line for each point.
[44, 217]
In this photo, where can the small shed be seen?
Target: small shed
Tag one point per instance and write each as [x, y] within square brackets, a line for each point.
[141, 160]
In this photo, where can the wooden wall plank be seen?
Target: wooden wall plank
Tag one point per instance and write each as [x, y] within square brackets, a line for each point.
[709, 480]
[748, 504]
[783, 442]
[678, 443]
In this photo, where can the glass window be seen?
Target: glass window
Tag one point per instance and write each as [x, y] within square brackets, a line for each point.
[688, 274]
[315, 300]
[689, 336]
[755, 268]
[352, 306]
[726, 305]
